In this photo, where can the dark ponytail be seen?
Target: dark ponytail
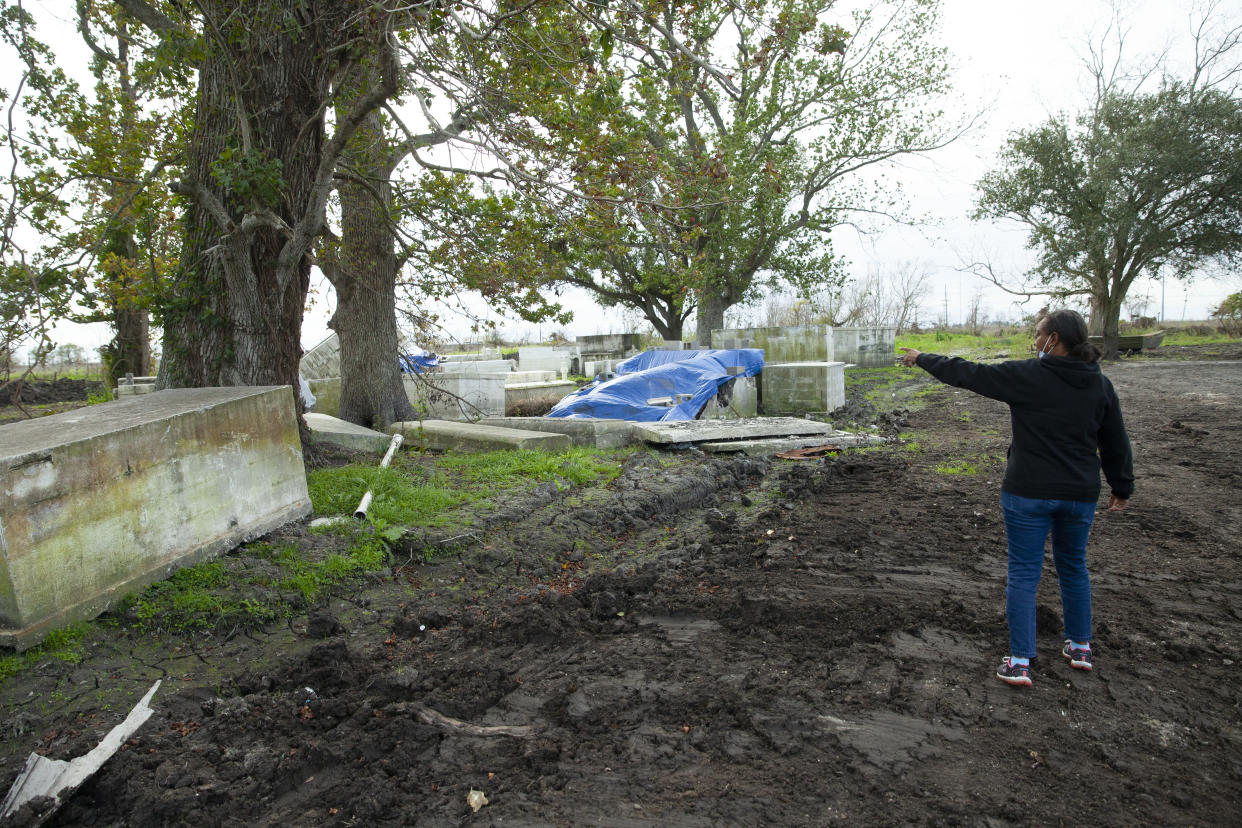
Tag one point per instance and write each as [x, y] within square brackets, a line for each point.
[1071, 331]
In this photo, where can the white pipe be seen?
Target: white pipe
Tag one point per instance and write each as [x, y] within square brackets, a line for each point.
[365, 503]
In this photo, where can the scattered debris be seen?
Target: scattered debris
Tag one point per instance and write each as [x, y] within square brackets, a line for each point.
[53, 781]
[809, 453]
[476, 800]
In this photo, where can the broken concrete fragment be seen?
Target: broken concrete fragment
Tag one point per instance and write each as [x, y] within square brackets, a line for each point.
[56, 780]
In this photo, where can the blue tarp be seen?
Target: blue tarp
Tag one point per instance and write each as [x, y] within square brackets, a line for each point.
[651, 359]
[418, 361]
[697, 373]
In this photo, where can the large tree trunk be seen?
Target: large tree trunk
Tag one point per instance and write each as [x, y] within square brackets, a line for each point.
[364, 273]
[129, 352]
[236, 311]
[1106, 322]
[133, 341]
[670, 330]
[711, 311]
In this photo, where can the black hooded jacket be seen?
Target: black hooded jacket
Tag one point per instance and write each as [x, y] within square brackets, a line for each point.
[1066, 422]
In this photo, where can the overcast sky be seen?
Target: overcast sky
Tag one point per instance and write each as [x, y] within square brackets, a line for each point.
[1020, 61]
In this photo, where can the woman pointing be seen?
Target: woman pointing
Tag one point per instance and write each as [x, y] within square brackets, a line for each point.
[1067, 426]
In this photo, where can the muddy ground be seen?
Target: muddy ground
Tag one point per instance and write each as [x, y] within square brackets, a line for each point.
[719, 642]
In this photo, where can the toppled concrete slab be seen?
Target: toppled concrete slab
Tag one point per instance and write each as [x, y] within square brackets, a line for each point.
[345, 434]
[777, 445]
[600, 434]
[704, 431]
[444, 435]
[53, 781]
[100, 501]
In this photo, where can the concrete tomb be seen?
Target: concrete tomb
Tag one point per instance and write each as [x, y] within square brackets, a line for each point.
[802, 387]
[100, 501]
[864, 347]
[547, 358]
[517, 392]
[867, 347]
[457, 396]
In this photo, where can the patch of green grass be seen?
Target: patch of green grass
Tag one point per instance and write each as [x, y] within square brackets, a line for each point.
[196, 598]
[64, 645]
[578, 465]
[961, 467]
[1193, 337]
[1012, 346]
[210, 596]
[399, 497]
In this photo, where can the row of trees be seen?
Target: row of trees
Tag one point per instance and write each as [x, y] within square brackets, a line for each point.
[674, 158]
[667, 156]
[1145, 180]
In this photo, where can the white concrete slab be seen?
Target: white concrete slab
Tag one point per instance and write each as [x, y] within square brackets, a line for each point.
[443, 435]
[348, 435]
[775, 445]
[702, 431]
[602, 434]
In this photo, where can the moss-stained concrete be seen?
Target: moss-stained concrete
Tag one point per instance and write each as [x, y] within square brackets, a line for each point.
[102, 500]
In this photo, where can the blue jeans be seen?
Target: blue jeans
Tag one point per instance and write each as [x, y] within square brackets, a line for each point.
[1027, 524]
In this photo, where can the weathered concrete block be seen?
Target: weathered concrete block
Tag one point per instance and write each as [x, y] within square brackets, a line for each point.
[602, 434]
[474, 366]
[614, 345]
[519, 377]
[797, 387]
[100, 501]
[547, 358]
[433, 395]
[457, 397]
[442, 435]
[537, 390]
[864, 347]
[796, 343]
[346, 434]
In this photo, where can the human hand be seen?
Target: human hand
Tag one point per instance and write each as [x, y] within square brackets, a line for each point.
[1116, 504]
[909, 355]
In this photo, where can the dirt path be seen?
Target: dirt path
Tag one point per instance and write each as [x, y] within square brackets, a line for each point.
[718, 642]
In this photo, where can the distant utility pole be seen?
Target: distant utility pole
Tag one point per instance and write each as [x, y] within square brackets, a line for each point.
[946, 306]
